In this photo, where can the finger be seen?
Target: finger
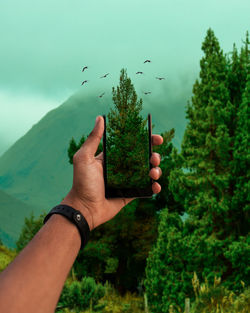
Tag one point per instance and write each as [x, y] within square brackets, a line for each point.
[155, 173]
[91, 144]
[156, 187]
[157, 140]
[155, 159]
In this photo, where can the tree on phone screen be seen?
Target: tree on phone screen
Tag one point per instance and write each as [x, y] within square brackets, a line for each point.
[127, 139]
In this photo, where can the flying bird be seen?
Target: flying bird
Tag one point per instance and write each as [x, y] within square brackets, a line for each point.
[147, 92]
[139, 73]
[101, 95]
[160, 78]
[147, 61]
[85, 81]
[104, 75]
[84, 68]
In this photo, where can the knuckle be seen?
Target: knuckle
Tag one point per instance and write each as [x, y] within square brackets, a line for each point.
[91, 134]
[94, 134]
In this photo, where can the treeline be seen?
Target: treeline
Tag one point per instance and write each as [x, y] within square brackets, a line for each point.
[200, 220]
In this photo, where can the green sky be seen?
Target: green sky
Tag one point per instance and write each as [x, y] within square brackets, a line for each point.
[45, 43]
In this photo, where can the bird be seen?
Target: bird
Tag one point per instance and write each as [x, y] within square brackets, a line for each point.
[84, 68]
[101, 95]
[160, 78]
[104, 75]
[147, 92]
[147, 61]
[139, 73]
[85, 81]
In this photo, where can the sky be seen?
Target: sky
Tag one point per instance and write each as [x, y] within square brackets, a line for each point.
[44, 45]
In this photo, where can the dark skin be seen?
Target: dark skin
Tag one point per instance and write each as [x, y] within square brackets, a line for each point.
[34, 280]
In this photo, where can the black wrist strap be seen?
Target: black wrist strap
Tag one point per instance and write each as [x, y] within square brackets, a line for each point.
[75, 217]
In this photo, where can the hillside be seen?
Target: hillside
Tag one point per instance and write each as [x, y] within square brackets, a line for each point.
[36, 171]
[12, 216]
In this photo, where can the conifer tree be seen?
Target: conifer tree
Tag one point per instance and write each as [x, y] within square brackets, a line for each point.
[30, 228]
[211, 181]
[127, 138]
[166, 283]
[240, 158]
[206, 142]
[241, 166]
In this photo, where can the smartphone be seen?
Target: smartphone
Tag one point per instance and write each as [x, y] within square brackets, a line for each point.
[127, 148]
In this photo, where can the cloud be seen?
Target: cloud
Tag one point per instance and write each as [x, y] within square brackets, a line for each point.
[18, 112]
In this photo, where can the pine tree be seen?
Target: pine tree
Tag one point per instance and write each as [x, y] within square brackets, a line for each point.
[206, 143]
[127, 138]
[240, 161]
[210, 180]
[30, 228]
[166, 283]
[73, 147]
[240, 201]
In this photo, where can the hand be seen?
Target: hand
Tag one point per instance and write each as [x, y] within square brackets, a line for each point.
[88, 190]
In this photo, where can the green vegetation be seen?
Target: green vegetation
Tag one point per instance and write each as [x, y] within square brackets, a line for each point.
[88, 296]
[30, 228]
[35, 170]
[211, 181]
[127, 139]
[6, 256]
[80, 295]
[196, 229]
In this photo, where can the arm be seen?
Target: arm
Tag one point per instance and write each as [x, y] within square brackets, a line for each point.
[34, 280]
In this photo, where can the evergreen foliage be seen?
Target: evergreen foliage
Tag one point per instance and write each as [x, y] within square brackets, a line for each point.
[210, 180]
[80, 295]
[30, 228]
[127, 139]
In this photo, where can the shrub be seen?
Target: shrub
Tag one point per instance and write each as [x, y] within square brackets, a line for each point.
[81, 295]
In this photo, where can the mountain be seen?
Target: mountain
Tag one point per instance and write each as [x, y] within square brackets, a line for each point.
[12, 215]
[36, 171]
[36, 168]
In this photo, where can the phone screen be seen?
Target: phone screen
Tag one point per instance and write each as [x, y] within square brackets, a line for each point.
[127, 151]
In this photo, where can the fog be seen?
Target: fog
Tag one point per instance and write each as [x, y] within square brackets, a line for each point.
[44, 45]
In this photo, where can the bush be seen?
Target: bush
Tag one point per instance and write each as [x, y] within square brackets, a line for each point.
[81, 295]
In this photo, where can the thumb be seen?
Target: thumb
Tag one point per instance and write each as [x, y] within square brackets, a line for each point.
[91, 144]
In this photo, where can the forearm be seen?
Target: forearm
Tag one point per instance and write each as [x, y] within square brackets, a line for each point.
[34, 280]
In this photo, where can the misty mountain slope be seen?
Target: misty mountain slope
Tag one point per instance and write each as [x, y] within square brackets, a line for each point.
[12, 215]
[36, 169]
